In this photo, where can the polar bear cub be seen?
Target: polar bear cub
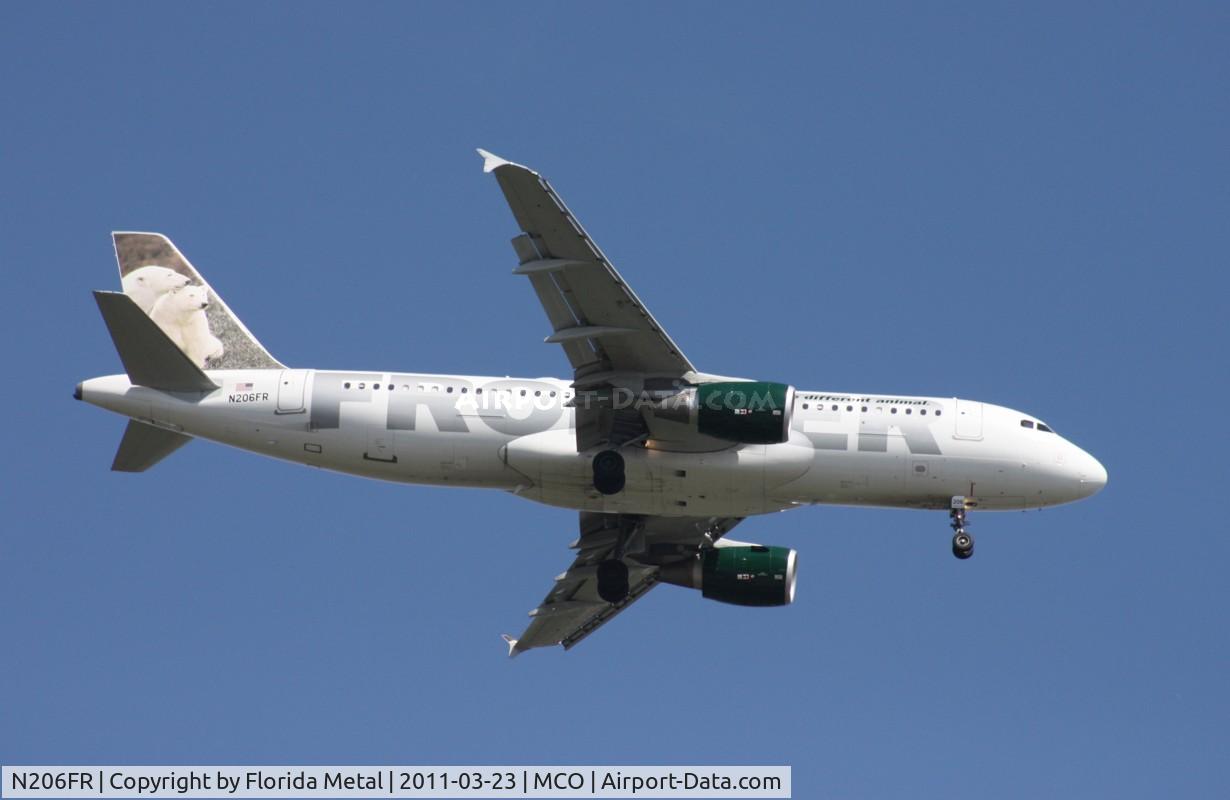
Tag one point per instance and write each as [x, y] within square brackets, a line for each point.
[147, 284]
[180, 314]
[199, 341]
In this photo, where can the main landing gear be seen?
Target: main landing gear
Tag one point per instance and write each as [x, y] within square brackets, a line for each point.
[612, 572]
[613, 580]
[962, 542]
[609, 472]
[612, 575]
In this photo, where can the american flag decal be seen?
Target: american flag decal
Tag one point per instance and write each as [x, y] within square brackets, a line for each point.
[243, 387]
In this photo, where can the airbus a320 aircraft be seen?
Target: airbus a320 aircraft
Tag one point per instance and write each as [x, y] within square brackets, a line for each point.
[660, 459]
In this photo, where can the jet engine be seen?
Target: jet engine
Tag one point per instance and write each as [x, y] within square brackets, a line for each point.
[743, 575]
[748, 412]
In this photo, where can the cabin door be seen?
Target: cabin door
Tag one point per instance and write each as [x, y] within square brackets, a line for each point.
[290, 391]
[969, 420]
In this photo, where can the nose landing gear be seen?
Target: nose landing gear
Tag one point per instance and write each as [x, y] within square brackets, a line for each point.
[962, 542]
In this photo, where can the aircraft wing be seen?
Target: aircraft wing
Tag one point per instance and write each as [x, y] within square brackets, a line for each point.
[573, 610]
[604, 328]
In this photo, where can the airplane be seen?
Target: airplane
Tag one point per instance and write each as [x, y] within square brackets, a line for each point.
[660, 459]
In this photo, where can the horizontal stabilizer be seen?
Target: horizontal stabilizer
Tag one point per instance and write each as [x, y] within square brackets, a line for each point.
[143, 446]
[150, 357]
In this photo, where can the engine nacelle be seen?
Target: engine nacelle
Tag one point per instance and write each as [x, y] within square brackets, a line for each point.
[743, 575]
[748, 412]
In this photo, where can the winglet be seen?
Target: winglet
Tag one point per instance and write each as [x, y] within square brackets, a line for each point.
[513, 652]
[491, 160]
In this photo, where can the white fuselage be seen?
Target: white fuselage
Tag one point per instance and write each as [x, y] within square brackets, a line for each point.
[518, 435]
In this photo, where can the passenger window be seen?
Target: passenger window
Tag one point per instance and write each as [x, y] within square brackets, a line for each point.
[938, 412]
[922, 411]
[909, 411]
[1026, 423]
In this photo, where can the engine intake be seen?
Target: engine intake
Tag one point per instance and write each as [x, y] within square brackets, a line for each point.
[743, 575]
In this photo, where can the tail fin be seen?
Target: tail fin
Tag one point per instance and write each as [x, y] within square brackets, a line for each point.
[161, 282]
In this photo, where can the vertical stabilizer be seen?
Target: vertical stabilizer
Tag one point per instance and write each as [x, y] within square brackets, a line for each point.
[174, 295]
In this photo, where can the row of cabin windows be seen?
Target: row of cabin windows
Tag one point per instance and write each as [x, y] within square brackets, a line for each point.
[1027, 423]
[834, 407]
[448, 389]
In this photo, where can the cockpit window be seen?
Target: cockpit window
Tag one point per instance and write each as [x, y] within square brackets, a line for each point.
[1044, 429]
[1025, 423]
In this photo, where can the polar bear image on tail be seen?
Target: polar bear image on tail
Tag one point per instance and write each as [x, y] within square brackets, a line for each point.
[199, 341]
[163, 283]
[181, 316]
[147, 284]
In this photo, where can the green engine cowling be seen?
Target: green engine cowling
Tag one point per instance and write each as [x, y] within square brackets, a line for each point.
[743, 575]
[749, 412]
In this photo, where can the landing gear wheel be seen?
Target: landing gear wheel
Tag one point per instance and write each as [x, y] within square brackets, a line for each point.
[962, 545]
[962, 542]
[609, 472]
[613, 581]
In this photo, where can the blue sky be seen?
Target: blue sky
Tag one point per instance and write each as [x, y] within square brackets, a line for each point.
[1021, 205]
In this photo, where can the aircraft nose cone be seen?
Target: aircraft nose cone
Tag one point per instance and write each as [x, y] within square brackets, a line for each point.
[77, 392]
[1093, 475]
